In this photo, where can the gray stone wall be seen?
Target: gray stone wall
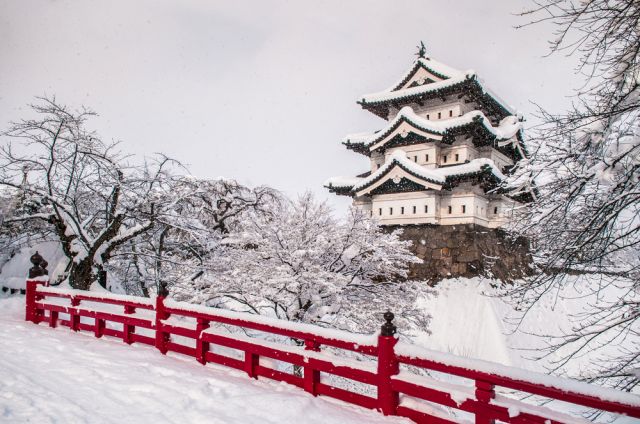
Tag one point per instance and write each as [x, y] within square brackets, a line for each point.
[466, 250]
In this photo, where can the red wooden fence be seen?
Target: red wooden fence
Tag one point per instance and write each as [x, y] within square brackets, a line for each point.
[391, 371]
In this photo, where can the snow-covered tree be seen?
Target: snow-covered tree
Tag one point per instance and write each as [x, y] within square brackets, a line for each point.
[78, 187]
[585, 177]
[299, 263]
[194, 219]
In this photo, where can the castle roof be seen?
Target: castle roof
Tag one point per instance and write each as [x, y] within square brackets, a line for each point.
[437, 179]
[433, 130]
[433, 67]
[427, 79]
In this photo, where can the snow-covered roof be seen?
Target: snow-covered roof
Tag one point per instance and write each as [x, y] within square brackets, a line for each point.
[450, 78]
[399, 158]
[435, 176]
[343, 182]
[434, 67]
[507, 129]
[387, 95]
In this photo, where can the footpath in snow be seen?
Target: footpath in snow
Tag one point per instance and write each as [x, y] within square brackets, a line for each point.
[55, 376]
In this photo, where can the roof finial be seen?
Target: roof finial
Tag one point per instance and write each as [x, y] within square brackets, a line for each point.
[422, 50]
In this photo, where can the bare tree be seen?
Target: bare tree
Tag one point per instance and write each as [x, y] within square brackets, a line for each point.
[79, 186]
[585, 174]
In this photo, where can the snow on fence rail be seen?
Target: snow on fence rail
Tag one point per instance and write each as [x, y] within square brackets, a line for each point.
[391, 370]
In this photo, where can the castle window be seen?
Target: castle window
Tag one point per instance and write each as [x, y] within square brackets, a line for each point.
[415, 158]
[426, 208]
[457, 157]
[444, 159]
[426, 158]
[427, 116]
[414, 209]
[402, 210]
[450, 113]
[390, 211]
[464, 208]
[495, 210]
[450, 210]
[380, 211]
[439, 115]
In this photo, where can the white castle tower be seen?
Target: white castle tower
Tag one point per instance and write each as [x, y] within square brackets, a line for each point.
[447, 144]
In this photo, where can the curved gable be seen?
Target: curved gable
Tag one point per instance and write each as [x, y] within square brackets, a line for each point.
[396, 173]
[403, 129]
[425, 71]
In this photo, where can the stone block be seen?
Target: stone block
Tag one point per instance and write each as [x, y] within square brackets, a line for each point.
[466, 250]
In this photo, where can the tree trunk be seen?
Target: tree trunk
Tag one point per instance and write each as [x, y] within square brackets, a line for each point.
[81, 275]
[102, 277]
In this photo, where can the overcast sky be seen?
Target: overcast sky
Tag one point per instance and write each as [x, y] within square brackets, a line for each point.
[261, 91]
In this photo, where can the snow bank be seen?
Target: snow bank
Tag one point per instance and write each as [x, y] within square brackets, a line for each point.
[469, 322]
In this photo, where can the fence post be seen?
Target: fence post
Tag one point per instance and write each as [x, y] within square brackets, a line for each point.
[484, 393]
[30, 301]
[74, 318]
[98, 328]
[311, 376]
[388, 366]
[202, 347]
[251, 361]
[35, 272]
[128, 329]
[162, 338]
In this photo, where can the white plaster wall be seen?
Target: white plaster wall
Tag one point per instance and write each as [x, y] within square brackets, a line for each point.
[377, 160]
[433, 106]
[418, 153]
[464, 153]
[479, 210]
[382, 205]
[443, 112]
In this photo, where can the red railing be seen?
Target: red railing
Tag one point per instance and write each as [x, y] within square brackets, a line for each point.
[390, 370]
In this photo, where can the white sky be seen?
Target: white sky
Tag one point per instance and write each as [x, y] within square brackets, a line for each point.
[261, 91]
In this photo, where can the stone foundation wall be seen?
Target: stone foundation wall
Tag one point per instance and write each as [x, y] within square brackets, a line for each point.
[466, 250]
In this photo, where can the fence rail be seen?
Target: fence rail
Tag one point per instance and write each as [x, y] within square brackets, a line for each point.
[471, 387]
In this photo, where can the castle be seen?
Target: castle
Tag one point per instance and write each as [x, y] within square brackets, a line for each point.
[439, 161]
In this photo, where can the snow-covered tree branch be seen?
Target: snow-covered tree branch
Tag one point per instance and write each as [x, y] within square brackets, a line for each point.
[585, 175]
[80, 186]
[299, 263]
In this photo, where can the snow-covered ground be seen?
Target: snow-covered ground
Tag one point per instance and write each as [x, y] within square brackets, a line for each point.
[136, 383]
[56, 376]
